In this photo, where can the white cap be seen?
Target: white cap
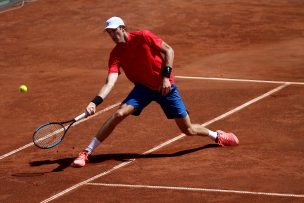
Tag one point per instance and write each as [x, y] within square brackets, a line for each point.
[114, 22]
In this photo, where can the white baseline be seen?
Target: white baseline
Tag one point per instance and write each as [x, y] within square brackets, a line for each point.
[239, 80]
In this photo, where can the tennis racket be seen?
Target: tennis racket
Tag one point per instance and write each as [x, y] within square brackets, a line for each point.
[51, 134]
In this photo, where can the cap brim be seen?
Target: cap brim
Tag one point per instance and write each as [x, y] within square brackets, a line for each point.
[111, 27]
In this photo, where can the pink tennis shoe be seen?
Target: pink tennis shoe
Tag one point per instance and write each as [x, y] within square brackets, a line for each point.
[81, 160]
[226, 139]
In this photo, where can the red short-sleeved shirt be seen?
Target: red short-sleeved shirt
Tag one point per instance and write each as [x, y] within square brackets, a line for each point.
[140, 58]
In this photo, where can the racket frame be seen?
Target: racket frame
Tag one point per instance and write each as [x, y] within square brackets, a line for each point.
[65, 128]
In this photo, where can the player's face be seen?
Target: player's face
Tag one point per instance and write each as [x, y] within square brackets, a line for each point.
[117, 35]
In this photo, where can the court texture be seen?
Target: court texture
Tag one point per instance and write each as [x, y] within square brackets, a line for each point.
[239, 66]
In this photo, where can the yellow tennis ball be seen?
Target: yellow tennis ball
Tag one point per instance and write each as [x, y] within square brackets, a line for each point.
[23, 88]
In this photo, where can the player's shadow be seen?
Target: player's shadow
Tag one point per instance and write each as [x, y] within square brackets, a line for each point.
[66, 162]
[62, 163]
[126, 156]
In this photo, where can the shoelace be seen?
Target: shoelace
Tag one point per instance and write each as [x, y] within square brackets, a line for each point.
[226, 138]
[82, 155]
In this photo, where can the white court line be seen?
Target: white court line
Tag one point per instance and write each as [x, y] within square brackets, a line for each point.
[247, 104]
[197, 189]
[76, 123]
[239, 80]
[162, 145]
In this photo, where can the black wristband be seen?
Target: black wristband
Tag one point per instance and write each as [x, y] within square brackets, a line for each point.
[167, 71]
[97, 100]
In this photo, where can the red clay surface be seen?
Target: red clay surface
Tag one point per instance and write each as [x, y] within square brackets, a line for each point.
[58, 50]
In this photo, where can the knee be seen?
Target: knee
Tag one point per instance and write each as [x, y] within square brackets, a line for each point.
[123, 111]
[119, 115]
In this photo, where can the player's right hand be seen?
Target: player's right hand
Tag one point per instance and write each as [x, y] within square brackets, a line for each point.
[91, 109]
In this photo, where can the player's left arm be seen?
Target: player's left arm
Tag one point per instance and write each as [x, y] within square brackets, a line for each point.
[168, 52]
[103, 92]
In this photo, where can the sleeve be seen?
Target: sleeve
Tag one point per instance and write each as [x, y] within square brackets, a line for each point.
[153, 40]
[113, 65]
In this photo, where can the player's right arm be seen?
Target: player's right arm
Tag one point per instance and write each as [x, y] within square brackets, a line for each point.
[103, 92]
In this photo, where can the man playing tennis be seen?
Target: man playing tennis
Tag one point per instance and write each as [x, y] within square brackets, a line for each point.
[140, 55]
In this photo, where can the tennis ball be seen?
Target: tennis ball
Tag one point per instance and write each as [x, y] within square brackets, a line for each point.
[23, 88]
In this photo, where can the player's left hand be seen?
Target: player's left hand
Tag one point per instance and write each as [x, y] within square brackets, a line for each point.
[165, 86]
[91, 109]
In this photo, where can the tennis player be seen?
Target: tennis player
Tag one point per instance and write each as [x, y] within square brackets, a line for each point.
[147, 62]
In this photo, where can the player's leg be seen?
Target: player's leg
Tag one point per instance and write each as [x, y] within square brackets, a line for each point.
[220, 137]
[135, 102]
[106, 129]
[174, 107]
[124, 111]
[108, 126]
[188, 128]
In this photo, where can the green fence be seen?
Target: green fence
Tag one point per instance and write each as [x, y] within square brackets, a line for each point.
[10, 4]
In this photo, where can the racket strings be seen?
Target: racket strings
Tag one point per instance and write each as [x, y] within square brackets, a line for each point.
[49, 135]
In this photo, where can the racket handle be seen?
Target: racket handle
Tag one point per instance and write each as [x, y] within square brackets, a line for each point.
[81, 116]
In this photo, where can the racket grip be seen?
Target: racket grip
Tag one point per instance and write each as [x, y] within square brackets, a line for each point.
[81, 116]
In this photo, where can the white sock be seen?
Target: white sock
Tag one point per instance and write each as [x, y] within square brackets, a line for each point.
[94, 143]
[212, 134]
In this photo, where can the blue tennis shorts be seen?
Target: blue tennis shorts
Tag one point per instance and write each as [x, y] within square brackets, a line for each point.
[172, 104]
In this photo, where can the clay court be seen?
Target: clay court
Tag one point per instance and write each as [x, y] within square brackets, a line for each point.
[239, 66]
